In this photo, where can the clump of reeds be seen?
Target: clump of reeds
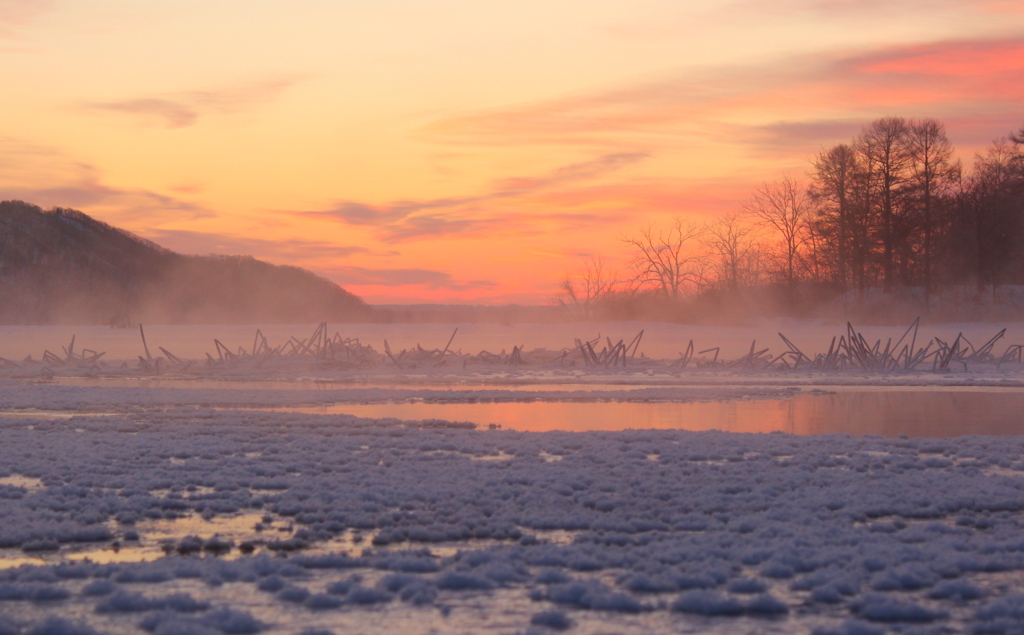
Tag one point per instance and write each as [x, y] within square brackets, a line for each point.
[850, 350]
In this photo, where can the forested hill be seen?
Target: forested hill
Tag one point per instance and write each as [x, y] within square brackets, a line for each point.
[61, 266]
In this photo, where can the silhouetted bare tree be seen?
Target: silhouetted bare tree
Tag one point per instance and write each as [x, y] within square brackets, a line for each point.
[891, 208]
[933, 173]
[992, 214]
[663, 259]
[884, 147]
[834, 182]
[784, 207]
[581, 294]
[729, 240]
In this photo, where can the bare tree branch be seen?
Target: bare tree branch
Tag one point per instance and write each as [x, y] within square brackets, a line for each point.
[580, 296]
[784, 207]
[730, 240]
[662, 259]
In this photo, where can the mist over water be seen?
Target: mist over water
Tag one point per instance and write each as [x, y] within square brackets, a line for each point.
[660, 340]
[488, 396]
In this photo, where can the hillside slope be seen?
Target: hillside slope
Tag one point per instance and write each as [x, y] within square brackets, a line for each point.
[61, 266]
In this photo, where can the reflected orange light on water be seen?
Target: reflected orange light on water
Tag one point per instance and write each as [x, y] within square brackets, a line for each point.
[884, 413]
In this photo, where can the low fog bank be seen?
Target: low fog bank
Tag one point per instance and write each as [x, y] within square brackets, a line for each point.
[874, 306]
[63, 267]
[185, 290]
[743, 307]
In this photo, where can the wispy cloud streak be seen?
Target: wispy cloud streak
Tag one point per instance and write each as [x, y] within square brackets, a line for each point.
[46, 177]
[409, 220]
[934, 79]
[17, 13]
[183, 109]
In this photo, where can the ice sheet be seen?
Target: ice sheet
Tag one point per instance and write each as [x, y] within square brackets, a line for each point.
[657, 531]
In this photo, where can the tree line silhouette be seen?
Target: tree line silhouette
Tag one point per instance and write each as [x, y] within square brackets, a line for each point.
[891, 214]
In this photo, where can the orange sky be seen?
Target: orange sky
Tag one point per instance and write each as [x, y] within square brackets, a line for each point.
[465, 150]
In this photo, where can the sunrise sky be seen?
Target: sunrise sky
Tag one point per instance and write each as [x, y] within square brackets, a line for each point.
[469, 151]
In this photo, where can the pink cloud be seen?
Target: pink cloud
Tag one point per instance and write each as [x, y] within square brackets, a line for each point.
[1011, 7]
[921, 80]
[959, 59]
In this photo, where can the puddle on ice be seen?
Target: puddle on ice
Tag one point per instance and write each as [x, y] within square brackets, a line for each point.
[500, 456]
[17, 480]
[155, 537]
[233, 527]
[14, 559]
[344, 544]
[553, 536]
[33, 413]
[887, 412]
[124, 553]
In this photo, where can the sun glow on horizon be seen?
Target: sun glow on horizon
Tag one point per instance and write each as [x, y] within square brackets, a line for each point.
[460, 151]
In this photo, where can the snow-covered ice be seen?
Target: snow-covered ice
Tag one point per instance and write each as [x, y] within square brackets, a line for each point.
[282, 522]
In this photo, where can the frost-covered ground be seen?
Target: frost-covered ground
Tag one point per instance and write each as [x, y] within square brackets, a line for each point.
[222, 502]
[291, 522]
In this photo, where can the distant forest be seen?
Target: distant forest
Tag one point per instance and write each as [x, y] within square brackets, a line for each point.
[883, 227]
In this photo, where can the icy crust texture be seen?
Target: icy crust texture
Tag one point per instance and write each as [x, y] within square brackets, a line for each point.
[781, 533]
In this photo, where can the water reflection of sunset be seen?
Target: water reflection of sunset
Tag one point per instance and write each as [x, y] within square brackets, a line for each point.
[886, 413]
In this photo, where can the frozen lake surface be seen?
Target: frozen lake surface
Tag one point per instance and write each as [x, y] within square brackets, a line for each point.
[321, 502]
[280, 522]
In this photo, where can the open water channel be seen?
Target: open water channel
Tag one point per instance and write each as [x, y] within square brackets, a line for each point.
[889, 411]
[884, 412]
